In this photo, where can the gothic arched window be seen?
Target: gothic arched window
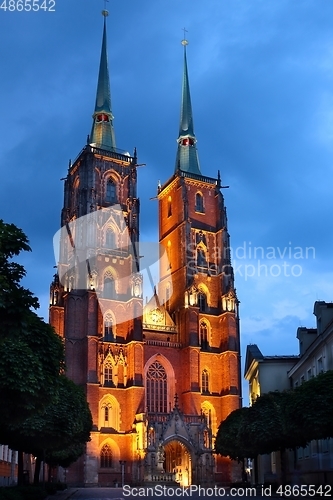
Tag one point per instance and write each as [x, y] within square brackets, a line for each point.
[201, 258]
[111, 191]
[108, 328]
[202, 302]
[203, 331]
[204, 381]
[199, 206]
[109, 290]
[110, 239]
[108, 373]
[106, 457]
[156, 384]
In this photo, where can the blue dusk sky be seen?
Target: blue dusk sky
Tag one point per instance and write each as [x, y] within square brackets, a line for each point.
[261, 78]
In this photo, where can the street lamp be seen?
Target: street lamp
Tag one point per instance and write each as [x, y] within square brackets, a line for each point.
[122, 463]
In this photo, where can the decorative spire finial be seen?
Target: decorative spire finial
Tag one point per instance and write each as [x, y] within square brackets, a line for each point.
[184, 41]
[105, 13]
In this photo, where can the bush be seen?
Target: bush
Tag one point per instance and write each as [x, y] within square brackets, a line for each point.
[61, 486]
[10, 493]
[24, 493]
[51, 488]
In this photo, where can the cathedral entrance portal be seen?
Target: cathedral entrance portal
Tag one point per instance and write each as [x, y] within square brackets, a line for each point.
[178, 462]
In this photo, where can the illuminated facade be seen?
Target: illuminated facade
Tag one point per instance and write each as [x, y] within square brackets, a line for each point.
[159, 377]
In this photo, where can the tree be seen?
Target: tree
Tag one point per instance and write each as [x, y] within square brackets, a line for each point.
[233, 437]
[59, 431]
[313, 409]
[31, 354]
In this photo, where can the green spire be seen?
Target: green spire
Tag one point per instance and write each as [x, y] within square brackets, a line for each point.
[187, 155]
[102, 132]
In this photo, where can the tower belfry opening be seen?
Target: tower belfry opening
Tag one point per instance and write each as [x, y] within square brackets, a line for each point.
[160, 377]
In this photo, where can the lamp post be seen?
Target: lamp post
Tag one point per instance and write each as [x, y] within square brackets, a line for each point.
[122, 463]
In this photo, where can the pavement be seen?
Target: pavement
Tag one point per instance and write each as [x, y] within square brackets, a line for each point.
[62, 495]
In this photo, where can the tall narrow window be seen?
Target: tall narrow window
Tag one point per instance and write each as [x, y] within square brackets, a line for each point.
[109, 287]
[169, 206]
[201, 258]
[106, 457]
[108, 328]
[111, 191]
[167, 295]
[110, 239]
[156, 384]
[169, 254]
[204, 335]
[108, 373]
[204, 381]
[199, 206]
[202, 302]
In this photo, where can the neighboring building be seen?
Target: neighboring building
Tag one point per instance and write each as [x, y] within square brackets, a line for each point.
[8, 466]
[315, 462]
[316, 356]
[265, 374]
[159, 379]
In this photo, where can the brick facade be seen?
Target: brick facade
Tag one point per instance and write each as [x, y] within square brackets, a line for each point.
[159, 377]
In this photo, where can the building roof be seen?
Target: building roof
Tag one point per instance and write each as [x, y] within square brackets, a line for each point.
[102, 132]
[187, 155]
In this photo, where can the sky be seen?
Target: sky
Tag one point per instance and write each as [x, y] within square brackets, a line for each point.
[261, 78]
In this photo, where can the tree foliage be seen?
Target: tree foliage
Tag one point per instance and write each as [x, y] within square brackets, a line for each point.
[57, 434]
[233, 437]
[314, 406]
[31, 354]
[279, 420]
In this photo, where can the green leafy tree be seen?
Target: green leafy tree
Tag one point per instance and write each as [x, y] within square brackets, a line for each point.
[313, 409]
[31, 354]
[233, 437]
[60, 430]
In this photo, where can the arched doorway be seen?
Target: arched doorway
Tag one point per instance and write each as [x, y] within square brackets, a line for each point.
[178, 462]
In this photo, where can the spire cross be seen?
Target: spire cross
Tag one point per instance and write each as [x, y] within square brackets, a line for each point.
[184, 41]
[105, 12]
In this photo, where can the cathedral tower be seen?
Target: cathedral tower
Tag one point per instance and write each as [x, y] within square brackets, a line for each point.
[160, 378]
[96, 297]
[197, 281]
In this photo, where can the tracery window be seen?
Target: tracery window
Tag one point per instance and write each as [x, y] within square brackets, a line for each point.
[108, 368]
[106, 457]
[108, 328]
[111, 191]
[204, 381]
[204, 335]
[156, 386]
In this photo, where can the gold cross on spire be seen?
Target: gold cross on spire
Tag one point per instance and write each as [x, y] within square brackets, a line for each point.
[184, 41]
[105, 13]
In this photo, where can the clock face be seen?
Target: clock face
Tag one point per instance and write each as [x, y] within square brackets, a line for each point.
[156, 315]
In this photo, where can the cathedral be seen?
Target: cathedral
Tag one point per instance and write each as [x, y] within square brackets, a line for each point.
[161, 374]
